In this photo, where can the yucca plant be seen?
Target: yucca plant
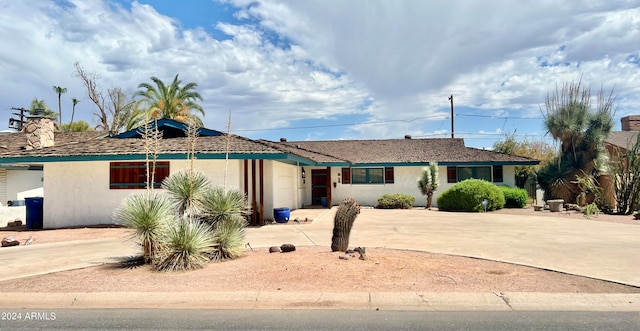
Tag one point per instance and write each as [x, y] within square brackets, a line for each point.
[186, 245]
[226, 212]
[220, 204]
[428, 182]
[229, 239]
[149, 213]
[187, 190]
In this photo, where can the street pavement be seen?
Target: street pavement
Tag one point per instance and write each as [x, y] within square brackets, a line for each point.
[593, 249]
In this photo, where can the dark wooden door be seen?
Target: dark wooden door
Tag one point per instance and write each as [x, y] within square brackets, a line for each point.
[319, 186]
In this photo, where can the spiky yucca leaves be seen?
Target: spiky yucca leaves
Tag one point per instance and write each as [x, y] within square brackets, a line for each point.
[229, 239]
[428, 182]
[186, 245]
[149, 213]
[187, 190]
[220, 204]
[226, 212]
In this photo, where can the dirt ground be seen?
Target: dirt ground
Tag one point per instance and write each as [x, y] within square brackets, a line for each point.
[315, 269]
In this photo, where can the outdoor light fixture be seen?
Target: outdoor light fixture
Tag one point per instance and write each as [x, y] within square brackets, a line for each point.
[304, 176]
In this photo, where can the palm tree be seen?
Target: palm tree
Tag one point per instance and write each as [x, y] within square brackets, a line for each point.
[73, 109]
[41, 105]
[580, 131]
[171, 101]
[59, 91]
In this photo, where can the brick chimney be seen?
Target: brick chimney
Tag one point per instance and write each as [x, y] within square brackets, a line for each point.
[39, 130]
[631, 123]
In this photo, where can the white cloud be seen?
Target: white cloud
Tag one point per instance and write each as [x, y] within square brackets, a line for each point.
[290, 60]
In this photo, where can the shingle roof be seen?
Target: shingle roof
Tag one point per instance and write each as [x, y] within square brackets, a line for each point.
[622, 139]
[442, 150]
[69, 144]
[12, 142]
[390, 151]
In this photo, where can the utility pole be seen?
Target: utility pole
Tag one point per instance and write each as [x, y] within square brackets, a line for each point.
[451, 99]
[18, 123]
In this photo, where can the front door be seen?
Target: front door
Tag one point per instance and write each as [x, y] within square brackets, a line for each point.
[319, 187]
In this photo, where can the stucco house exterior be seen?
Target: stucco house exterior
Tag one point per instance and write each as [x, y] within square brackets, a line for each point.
[85, 176]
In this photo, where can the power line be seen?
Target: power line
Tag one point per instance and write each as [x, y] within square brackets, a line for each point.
[408, 120]
[503, 117]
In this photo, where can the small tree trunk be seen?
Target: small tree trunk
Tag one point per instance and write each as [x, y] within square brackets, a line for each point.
[342, 224]
[429, 199]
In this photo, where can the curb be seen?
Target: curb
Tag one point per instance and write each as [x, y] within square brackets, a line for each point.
[416, 301]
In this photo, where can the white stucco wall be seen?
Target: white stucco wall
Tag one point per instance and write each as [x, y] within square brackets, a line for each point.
[405, 182]
[77, 193]
[281, 187]
[19, 181]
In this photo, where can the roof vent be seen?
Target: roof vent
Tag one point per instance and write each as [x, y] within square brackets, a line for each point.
[407, 136]
[283, 140]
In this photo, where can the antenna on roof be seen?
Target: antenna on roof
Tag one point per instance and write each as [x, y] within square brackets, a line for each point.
[451, 99]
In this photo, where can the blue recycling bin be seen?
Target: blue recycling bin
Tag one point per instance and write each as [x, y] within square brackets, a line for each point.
[323, 202]
[34, 211]
[281, 215]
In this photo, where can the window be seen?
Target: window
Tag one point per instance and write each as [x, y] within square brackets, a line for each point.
[346, 176]
[497, 174]
[133, 175]
[452, 175]
[367, 175]
[458, 174]
[388, 175]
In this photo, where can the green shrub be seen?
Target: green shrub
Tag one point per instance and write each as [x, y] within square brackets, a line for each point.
[468, 195]
[396, 201]
[514, 197]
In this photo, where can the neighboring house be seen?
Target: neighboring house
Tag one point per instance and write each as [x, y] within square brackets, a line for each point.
[86, 178]
[619, 141]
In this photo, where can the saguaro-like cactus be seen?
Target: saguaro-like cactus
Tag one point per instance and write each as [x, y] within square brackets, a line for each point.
[342, 224]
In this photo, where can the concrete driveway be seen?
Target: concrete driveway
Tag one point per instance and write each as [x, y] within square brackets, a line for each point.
[38, 259]
[602, 250]
[594, 249]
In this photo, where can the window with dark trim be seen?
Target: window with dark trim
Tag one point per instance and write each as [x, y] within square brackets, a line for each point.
[346, 176]
[388, 175]
[458, 174]
[367, 175]
[452, 175]
[133, 175]
[497, 174]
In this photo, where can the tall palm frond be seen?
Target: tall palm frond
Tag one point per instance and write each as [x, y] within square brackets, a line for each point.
[60, 91]
[171, 101]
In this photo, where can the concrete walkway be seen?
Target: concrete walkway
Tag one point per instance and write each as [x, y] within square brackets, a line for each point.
[594, 249]
[601, 250]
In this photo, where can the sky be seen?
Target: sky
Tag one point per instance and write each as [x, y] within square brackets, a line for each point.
[330, 69]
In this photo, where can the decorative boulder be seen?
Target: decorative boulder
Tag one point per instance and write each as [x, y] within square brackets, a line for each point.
[274, 249]
[9, 241]
[287, 248]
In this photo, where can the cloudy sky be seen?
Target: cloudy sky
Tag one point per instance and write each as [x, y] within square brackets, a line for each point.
[329, 69]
